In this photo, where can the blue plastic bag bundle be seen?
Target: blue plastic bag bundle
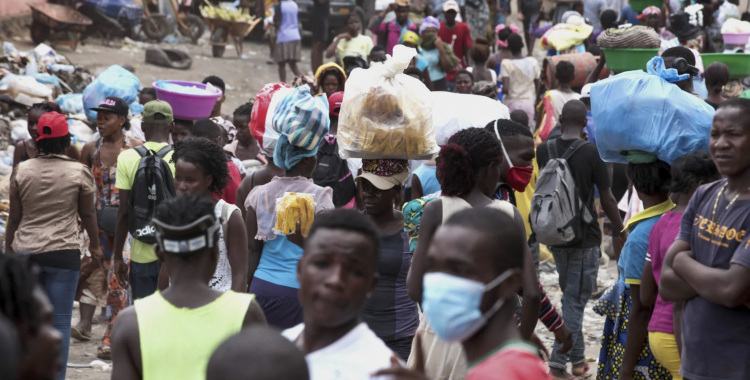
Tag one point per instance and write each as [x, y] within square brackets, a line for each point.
[115, 81]
[636, 111]
[70, 103]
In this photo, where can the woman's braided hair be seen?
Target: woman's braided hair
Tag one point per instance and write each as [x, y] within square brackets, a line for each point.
[461, 158]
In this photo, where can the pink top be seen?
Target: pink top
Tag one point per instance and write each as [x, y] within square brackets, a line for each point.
[393, 32]
[663, 234]
[514, 361]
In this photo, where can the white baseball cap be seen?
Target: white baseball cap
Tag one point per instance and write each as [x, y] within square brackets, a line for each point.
[586, 91]
[451, 5]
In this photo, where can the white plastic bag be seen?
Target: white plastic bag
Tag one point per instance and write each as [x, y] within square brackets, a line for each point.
[453, 112]
[29, 86]
[736, 26]
[387, 114]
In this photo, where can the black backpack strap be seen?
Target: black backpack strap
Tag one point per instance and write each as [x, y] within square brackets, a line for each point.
[552, 149]
[164, 151]
[573, 149]
[142, 151]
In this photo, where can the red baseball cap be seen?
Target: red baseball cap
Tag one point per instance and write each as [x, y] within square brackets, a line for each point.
[55, 124]
[334, 103]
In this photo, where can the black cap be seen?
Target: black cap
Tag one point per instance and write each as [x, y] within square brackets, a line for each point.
[113, 104]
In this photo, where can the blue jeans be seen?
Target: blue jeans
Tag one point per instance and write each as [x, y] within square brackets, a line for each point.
[577, 269]
[144, 279]
[60, 286]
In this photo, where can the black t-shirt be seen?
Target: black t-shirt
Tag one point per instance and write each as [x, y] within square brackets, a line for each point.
[712, 104]
[588, 170]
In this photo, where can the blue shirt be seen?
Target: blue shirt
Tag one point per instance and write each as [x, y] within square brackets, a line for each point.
[589, 129]
[633, 255]
[630, 15]
[421, 63]
[433, 63]
[427, 179]
[278, 262]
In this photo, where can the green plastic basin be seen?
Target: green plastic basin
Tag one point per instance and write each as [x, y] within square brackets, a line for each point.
[738, 63]
[619, 60]
[639, 5]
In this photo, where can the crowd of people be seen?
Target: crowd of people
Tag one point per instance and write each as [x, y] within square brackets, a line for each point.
[408, 269]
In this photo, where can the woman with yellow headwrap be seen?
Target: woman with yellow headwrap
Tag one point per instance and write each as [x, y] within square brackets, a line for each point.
[331, 78]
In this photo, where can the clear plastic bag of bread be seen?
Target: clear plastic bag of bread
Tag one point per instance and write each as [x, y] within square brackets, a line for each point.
[387, 114]
[293, 208]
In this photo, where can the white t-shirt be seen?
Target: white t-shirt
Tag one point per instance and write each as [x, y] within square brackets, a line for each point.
[222, 279]
[355, 356]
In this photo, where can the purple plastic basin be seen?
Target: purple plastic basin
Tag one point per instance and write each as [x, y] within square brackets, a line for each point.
[735, 38]
[188, 106]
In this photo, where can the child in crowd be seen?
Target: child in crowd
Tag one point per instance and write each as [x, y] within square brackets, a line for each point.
[464, 82]
[288, 49]
[274, 258]
[565, 72]
[207, 129]
[146, 95]
[439, 55]
[717, 76]
[200, 168]
[331, 78]
[350, 43]
[520, 76]
[26, 148]
[391, 33]
[218, 83]
[377, 55]
[182, 130]
[665, 337]
[479, 53]
[627, 318]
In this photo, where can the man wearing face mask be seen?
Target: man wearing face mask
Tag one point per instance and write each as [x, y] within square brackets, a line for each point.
[518, 174]
[470, 293]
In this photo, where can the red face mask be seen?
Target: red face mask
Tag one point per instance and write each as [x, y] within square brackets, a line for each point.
[518, 177]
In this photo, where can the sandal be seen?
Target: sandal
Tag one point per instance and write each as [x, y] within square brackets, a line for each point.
[581, 371]
[104, 353]
[79, 335]
[566, 375]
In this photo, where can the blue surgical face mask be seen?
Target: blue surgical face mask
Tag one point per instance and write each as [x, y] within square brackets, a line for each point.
[451, 304]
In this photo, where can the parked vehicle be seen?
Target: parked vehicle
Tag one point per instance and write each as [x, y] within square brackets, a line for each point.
[339, 10]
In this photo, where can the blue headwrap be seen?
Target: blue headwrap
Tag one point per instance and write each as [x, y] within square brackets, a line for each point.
[656, 67]
[301, 121]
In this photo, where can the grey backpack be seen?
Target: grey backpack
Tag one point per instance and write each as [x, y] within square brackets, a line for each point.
[557, 214]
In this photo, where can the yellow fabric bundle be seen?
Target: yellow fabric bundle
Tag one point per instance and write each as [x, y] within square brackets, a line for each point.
[295, 208]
